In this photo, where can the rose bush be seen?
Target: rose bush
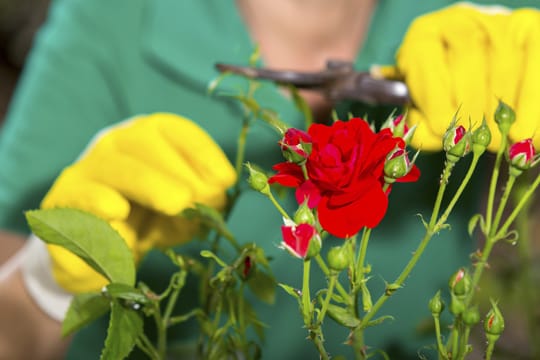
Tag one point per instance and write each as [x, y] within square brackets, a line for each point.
[343, 176]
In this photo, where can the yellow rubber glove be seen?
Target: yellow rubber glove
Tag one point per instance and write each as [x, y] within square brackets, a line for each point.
[138, 175]
[467, 57]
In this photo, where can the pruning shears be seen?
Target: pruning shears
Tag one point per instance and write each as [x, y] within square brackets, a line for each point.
[338, 81]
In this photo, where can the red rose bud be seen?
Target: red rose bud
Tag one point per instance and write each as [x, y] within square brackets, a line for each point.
[460, 283]
[397, 165]
[399, 127]
[521, 156]
[436, 305]
[456, 143]
[338, 258]
[296, 145]
[257, 180]
[481, 137]
[504, 117]
[494, 322]
[297, 239]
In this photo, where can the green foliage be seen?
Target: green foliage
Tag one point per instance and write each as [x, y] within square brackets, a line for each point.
[125, 327]
[84, 309]
[87, 236]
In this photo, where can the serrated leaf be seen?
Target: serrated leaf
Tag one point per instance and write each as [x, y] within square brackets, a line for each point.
[263, 286]
[125, 326]
[83, 309]
[87, 236]
[343, 316]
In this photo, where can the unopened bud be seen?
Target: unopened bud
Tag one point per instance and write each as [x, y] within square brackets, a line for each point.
[338, 258]
[296, 145]
[258, 180]
[504, 117]
[481, 138]
[460, 283]
[456, 143]
[436, 305]
[494, 321]
[397, 165]
[304, 215]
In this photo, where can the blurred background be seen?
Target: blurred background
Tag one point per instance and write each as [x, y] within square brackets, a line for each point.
[19, 21]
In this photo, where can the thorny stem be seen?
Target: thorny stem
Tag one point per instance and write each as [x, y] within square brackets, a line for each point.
[420, 249]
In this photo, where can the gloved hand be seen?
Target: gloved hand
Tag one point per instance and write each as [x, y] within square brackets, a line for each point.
[139, 175]
[467, 57]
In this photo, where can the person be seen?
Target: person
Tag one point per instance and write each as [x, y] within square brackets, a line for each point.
[97, 63]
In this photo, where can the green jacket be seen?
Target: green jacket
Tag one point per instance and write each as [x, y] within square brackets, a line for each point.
[98, 62]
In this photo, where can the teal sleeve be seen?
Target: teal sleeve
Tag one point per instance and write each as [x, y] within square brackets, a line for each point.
[65, 96]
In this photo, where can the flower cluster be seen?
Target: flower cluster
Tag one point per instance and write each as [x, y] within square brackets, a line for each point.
[343, 176]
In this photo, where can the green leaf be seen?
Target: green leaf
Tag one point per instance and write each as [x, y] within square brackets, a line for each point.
[125, 326]
[263, 286]
[84, 309]
[126, 292]
[87, 236]
[343, 316]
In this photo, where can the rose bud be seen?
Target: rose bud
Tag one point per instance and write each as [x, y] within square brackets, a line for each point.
[521, 156]
[493, 323]
[304, 215]
[399, 127]
[504, 117]
[456, 143]
[338, 258]
[258, 180]
[397, 165]
[481, 137]
[300, 240]
[436, 305]
[296, 145]
[460, 283]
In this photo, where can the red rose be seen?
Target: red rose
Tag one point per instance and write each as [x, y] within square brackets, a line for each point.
[345, 175]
